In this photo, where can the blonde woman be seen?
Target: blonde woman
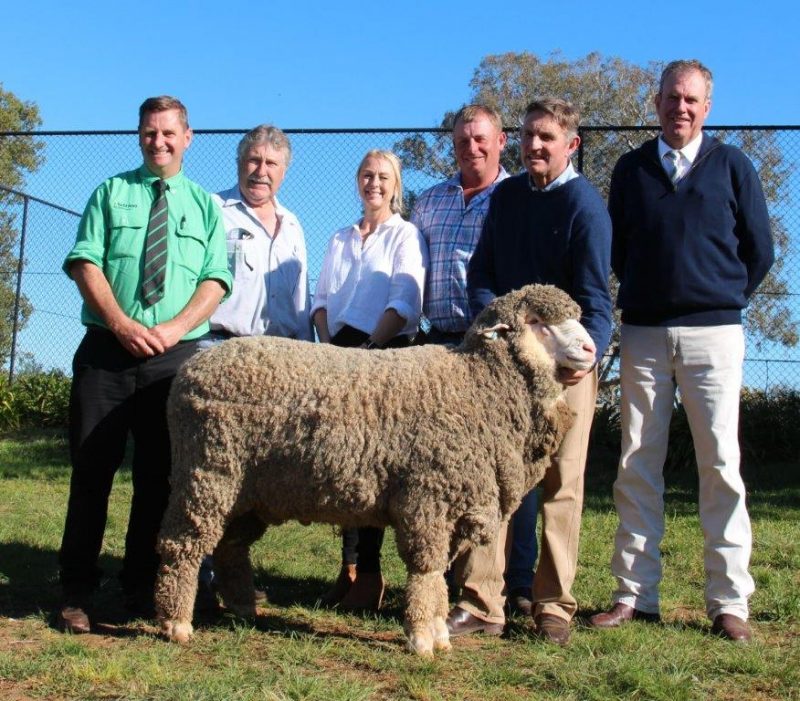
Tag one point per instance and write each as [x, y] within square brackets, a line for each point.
[369, 295]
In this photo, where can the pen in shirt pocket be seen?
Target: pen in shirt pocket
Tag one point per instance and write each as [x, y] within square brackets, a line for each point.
[183, 222]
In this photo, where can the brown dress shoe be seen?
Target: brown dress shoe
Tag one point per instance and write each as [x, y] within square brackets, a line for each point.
[551, 628]
[462, 622]
[365, 593]
[619, 614]
[334, 595]
[731, 627]
[73, 619]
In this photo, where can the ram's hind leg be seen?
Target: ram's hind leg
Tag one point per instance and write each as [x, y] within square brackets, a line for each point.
[232, 564]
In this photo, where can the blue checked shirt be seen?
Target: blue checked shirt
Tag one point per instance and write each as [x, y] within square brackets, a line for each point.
[451, 231]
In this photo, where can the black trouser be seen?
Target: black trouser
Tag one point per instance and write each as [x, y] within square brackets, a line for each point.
[362, 546]
[114, 393]
[439, 338]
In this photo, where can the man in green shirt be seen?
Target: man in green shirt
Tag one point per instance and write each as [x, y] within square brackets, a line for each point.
[151, 266]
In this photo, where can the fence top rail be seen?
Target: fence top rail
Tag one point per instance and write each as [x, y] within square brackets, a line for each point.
[407, 130]
[706, 127]
[134, 132]
[26, 196]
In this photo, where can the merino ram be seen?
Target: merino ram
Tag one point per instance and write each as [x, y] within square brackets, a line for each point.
[439, 443]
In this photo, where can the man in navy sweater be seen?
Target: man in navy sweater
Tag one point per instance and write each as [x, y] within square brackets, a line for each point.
[691, 243]
[546, 225]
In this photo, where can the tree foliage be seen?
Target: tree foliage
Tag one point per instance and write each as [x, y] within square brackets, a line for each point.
[609, 92]
[613, 92]
[19, 154]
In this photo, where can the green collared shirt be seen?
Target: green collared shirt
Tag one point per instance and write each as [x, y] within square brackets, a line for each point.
[112, 235]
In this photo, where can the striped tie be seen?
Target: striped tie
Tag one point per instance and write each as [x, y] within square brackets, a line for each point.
[155, 252]
[673, 157]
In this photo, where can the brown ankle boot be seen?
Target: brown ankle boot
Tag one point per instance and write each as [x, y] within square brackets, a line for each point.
[366, 593]
[347, 575]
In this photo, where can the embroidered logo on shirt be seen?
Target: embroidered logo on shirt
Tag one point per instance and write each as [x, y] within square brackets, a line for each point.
[124, 205]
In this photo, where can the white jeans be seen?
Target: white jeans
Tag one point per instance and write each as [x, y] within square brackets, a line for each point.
[706, 365]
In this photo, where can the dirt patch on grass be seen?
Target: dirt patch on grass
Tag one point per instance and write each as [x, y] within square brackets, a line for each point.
[17, 634]
[11, 691]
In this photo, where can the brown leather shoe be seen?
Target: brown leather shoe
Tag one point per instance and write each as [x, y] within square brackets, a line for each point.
[731, 627]
[551, 628]
[462, 622]
[73, 619]
[619, 614]
[334, 595]
[365, 593]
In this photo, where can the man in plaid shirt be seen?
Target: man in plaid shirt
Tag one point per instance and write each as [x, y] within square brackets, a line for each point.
[450, 216]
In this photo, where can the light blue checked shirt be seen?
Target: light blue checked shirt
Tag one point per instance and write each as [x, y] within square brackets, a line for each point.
[451, 231]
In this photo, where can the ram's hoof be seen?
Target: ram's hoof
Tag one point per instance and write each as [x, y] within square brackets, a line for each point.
[441, 636]
[420, 641]
[420, 650]
[177, 632]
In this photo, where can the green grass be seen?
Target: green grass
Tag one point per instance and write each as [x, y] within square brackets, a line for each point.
[297, 650]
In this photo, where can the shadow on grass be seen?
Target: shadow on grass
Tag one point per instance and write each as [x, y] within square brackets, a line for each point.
[307, 592]
[287, 624]
[29, 582]
[29, 587]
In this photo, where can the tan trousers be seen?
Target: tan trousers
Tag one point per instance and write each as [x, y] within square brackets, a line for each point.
[479, 571]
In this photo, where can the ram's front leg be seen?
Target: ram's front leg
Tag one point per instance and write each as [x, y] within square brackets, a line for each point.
[175, 590]
[426, 613]
[188, 533]
[423, 542]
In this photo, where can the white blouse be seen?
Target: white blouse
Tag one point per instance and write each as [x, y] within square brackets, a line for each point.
[358, 283]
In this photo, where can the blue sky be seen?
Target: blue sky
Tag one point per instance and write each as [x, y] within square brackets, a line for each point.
[314, 64]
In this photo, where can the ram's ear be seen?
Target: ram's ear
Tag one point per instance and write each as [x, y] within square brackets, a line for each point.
[492, 332]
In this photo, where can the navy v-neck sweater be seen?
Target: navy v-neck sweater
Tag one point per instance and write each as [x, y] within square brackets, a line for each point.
[689, 254]
[558, 237]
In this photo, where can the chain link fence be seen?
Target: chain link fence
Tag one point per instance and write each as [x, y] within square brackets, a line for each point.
[40, 307]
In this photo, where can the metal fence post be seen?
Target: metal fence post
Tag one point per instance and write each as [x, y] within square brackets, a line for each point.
[18, 292]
